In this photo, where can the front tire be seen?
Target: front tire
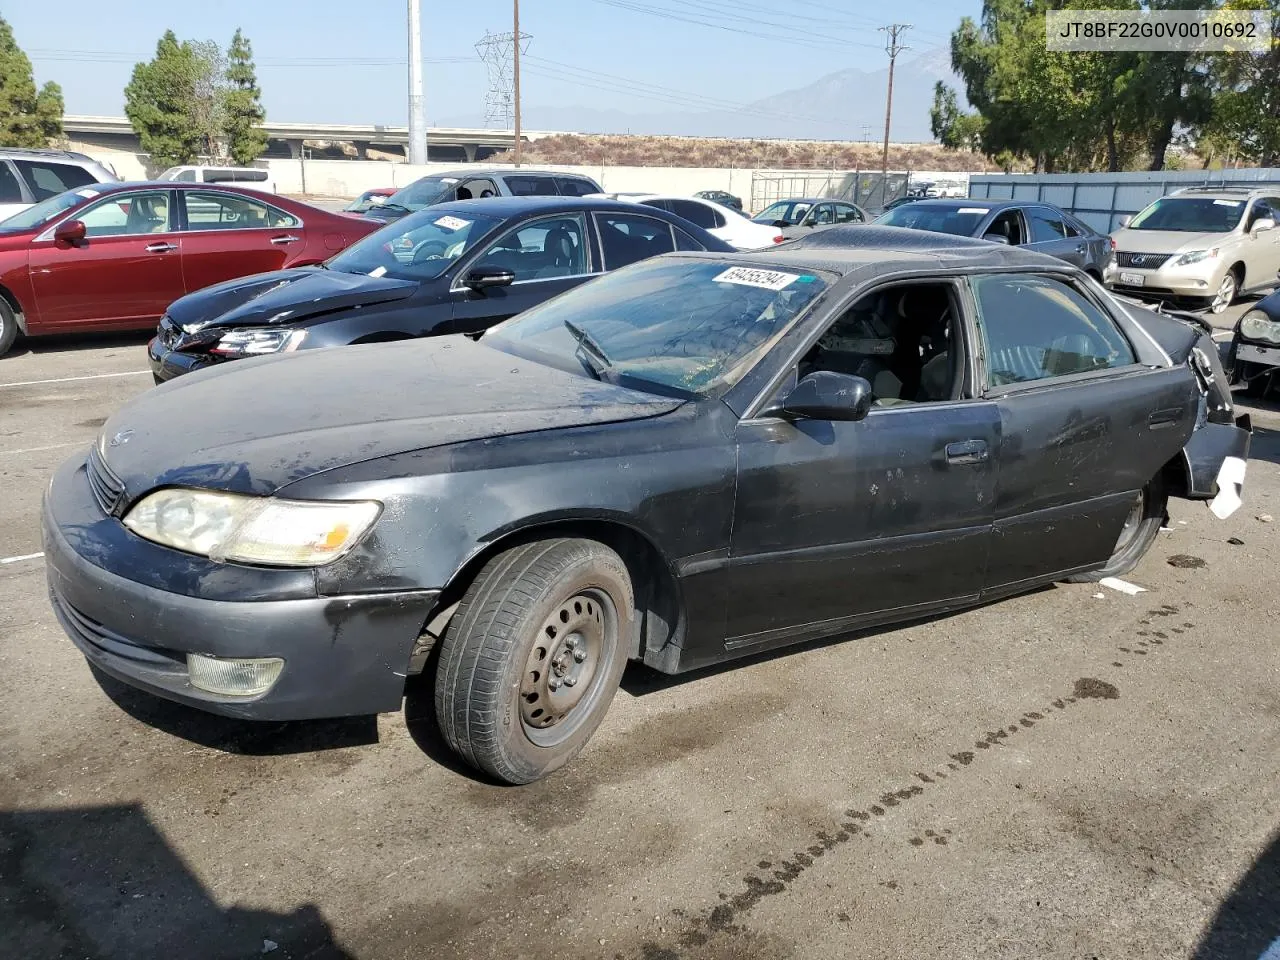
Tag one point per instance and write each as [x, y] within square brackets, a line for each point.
[533, 656]
[1141, 527]
[1227, 292]
[8, 327]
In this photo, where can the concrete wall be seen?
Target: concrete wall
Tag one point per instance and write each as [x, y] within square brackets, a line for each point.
[1101, 199]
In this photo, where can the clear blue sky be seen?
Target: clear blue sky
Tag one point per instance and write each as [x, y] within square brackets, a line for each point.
[343, 61]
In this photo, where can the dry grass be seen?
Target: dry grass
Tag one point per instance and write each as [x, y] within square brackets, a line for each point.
[655, 151]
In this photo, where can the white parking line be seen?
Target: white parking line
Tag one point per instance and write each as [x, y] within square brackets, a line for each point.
[92, 376]
[52, 446]
[25, 556]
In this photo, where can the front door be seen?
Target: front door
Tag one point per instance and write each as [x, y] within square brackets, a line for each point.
[843, 524]
[1083, 426]
[229, 236]
[548, 256]
[1260, 250]
[124, 274]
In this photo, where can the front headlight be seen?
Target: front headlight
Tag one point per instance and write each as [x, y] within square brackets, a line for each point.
[1195, 256]
[268, 530]
[257, 341]
[1256, 325]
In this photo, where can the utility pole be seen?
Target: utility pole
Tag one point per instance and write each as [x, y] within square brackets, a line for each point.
[893, 48]
[417, 116]
[515, 48]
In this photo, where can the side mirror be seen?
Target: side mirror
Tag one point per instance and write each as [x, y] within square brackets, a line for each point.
[1263, 225]
[69, 232]
[1124, 221]
[995, 237]
[825, 395]
[780, 224]
[478, 278]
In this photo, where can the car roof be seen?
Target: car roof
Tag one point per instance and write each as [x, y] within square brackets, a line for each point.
[977, 202]
[512, 206]
[813, 200]
[846, 250]
[50, 153]
[472, 172]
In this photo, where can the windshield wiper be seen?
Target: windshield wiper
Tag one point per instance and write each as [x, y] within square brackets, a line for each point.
[588, 348]
[389, 206]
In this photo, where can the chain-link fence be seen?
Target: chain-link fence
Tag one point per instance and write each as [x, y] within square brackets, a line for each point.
[870, 190]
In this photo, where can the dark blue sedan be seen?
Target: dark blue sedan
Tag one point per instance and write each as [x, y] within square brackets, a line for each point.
[451, 268]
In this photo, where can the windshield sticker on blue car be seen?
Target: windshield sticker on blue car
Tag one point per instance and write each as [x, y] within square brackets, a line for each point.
[377, 271]
[974, 210]
[752, 277]
[1228, 203]
[452, 223]
[87, 193]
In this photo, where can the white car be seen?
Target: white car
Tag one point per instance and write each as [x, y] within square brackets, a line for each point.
[729, 225]
[252, 178]
[28, 176]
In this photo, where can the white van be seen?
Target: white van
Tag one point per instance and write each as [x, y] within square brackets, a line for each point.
[253, 178]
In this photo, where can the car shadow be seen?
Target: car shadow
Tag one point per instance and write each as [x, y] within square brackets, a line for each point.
[229, 735]
[1247, 924]
[78, 342]
[102, 882]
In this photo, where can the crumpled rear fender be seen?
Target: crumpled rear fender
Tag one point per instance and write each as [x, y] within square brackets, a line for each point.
[1208, 449]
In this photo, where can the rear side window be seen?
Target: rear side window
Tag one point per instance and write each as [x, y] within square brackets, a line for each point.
[699, 214]
[186, 176]
[49, 179]
[10, 188]
[1036, 328]
[525, 186]
[627, 238]
[230, 211]
[686, 242]
[1045, 225]
[575, 186]
[847, 214]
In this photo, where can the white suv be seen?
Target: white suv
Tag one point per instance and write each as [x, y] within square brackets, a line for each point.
[1209, 244]
[29, 176]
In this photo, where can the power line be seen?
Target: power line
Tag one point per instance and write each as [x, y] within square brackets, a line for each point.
[670, 15]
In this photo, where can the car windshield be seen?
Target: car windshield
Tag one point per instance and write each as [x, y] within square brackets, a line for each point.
[419, 247]
[675, 326]
[958, 220]
[790, 211]
[423, 193]
[46, 210]
[1190, 215]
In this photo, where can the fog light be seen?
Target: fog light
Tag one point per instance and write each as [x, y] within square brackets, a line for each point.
[233, 678]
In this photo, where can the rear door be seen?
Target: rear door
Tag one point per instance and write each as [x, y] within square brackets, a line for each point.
[126, 271]
[1051, 234]
[1083, 426]
[548, 255]
[227, 235]
[12, 199]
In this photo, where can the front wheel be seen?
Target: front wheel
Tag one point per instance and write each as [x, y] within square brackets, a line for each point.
[533, 656]
[1226, 295]
[8, 327]
[1141, 527]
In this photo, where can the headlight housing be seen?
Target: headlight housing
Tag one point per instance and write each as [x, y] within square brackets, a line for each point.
[1195, 256]
[1256, 325]
[258, 341]
[265, 530]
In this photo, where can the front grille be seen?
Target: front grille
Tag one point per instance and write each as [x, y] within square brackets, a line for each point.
[1145, 261]
[108, 489]
[173, 337]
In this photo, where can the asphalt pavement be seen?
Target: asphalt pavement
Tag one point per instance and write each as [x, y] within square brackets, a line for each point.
[1075, 773]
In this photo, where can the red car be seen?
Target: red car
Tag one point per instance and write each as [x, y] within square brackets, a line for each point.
[114, 256]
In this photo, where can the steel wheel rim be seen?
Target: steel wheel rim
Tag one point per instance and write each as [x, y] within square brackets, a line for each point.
[568, 664]
[1226, 293]
[1131, 523]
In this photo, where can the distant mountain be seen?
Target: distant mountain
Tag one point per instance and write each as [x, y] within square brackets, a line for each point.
[845, 105]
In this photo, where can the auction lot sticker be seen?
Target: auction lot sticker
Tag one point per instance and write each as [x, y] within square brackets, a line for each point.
[751, 277]
[1186, 31]
[452, 223]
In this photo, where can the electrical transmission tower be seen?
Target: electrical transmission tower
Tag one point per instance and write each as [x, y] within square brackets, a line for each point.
[498, 52]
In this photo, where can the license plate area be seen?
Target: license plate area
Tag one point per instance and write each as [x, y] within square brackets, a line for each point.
[1133, 279]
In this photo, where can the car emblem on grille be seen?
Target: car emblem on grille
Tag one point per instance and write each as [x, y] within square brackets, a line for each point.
[121, 438]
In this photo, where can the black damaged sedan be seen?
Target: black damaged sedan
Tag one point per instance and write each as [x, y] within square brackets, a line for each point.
[1255, 347]
[695, 458]
[452, 268]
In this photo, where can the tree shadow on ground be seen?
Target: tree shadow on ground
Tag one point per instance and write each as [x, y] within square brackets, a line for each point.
[101, 882]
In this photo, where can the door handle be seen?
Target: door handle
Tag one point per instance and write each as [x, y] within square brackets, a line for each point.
[1164, 418]
[287, 238]
[967, 451]
[161, 247]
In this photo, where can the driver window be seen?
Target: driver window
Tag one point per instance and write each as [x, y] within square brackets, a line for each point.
[131, 215]
[1259, 211]
[546, 248]
[900, 339]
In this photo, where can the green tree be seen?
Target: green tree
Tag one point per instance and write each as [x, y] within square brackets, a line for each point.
[1246, 110]
[158, 102]
[952, 127]
[243, 113]
[27, 118]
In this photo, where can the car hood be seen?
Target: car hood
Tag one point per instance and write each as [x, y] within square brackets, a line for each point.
[1166, 241]
[283, 296]
[255, 425]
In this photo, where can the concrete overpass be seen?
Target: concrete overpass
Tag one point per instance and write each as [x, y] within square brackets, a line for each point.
[287, 139]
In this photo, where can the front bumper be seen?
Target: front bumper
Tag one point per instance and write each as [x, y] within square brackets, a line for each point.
[167, 363]
[344, 655]
[1193, 281]
[1263, 355]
